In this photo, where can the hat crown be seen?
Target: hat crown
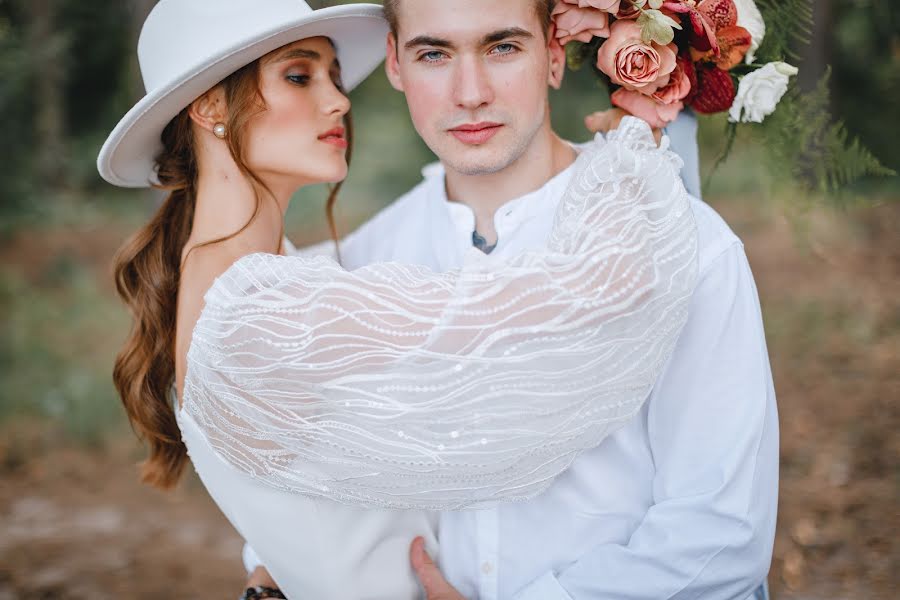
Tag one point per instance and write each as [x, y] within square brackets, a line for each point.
[180, 36]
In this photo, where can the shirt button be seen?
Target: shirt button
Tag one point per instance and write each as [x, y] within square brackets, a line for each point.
[486, 568]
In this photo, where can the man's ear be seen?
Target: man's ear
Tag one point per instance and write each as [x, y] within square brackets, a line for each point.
[392, 63]
[557, 59]
[210, 109]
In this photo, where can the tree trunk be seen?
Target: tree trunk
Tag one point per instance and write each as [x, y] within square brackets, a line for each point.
[816, 54]
[46, 48]
[139, 11]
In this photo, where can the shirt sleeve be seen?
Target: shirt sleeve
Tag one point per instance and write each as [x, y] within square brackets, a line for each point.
[713, 431]
[682, 133]
[399, 387]
[250, 558]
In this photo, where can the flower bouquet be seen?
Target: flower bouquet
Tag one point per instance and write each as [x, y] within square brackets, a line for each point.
[658, 57]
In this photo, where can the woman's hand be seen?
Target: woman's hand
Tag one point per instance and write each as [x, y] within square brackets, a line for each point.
[605, 121]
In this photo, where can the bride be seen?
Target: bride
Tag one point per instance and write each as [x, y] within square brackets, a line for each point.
[326, 411]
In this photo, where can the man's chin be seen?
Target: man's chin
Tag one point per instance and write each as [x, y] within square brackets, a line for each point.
[477, 161]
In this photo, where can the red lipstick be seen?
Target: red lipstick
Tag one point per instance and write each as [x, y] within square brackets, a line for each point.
[335, 137]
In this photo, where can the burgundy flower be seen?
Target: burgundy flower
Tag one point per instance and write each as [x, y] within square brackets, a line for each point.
[715, 90]
[702, 32]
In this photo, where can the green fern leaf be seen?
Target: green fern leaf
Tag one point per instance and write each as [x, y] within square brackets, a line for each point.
[789, 25]
[807, 145]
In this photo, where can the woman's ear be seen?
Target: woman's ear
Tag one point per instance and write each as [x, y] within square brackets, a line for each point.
[210, 110]
[392, 63]
[557, 59]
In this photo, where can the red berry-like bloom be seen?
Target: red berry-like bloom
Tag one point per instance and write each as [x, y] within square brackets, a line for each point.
[715, 90]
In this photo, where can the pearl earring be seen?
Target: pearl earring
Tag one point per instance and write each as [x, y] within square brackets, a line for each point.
[219, 131]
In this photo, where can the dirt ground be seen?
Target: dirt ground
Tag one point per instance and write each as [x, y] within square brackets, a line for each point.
[75, 523]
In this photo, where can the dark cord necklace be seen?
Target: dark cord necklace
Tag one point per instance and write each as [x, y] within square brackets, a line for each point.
[479, 242]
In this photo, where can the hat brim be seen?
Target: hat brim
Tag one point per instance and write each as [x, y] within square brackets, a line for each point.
[128, 158]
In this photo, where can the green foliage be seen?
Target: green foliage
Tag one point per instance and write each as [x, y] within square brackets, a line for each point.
[810, 147]
[57, 342]
[90, 46]
[15, 112]
[805, 144]
[788, 27]
[730, 136]
[864, 52]
[575, 55]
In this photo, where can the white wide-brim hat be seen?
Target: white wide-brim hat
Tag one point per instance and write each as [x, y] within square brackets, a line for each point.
[186, 47]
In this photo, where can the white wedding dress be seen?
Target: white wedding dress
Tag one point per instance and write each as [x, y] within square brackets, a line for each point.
[329, 412]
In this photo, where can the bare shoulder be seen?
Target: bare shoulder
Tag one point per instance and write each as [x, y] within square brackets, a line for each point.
[203, 265]
[200, 270]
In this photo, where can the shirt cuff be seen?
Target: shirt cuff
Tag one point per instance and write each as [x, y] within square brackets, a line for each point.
[545, 587]
[250, 558]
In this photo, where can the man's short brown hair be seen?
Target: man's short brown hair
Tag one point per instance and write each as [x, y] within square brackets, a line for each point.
[544, 9]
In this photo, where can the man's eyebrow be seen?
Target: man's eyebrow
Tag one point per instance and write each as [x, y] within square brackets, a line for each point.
[505, 34]
[427, 40]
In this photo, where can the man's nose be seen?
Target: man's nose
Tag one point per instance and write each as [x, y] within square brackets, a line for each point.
[472, 86]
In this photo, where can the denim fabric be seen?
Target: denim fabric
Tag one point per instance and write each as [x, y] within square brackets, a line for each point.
[682, 134]
[762, 592]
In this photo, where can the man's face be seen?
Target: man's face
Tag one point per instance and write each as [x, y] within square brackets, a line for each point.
[475, 75]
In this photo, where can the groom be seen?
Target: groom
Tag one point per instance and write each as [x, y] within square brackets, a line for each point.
[681, 502]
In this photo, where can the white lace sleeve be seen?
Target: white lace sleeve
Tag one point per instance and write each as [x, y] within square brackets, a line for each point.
[398, 387]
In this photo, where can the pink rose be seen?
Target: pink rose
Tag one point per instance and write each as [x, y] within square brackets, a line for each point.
[679, 85]
[663, 106]
[609, 6]
[582, 20]
[657, 114]
[633, 64]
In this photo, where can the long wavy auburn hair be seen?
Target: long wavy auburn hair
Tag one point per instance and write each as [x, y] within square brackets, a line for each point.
[148, 272]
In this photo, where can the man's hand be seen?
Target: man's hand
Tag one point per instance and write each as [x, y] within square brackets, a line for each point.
[607, 120]
[431, 578]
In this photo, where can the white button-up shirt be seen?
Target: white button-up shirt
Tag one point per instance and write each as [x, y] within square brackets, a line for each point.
[681, 502]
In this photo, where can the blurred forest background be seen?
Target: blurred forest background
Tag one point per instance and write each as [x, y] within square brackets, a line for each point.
[74, 522]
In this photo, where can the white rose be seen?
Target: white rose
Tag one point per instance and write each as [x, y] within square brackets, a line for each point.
[760, 92]
[751, 19]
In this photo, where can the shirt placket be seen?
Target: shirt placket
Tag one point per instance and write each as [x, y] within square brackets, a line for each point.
[487, 523]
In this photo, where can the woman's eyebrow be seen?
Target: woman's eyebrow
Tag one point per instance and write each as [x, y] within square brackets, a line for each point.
[297, 53]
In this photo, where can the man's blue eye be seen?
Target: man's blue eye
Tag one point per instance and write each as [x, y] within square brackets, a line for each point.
[433, 56]
[504, 48]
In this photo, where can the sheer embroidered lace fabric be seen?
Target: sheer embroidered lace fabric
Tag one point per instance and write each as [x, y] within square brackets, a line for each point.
[395, 386]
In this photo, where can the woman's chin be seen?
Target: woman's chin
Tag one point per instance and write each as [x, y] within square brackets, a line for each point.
[336, 174]
[320, 176]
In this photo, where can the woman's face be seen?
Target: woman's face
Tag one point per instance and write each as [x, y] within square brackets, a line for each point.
[299, 139]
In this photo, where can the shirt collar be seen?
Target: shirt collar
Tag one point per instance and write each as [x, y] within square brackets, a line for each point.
[507, 218]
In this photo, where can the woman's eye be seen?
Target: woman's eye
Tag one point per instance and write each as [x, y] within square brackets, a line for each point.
[298, 79]
[504, 49]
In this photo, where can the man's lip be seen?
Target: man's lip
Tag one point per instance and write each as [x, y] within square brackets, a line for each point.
[475, 126]
[475, 134]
